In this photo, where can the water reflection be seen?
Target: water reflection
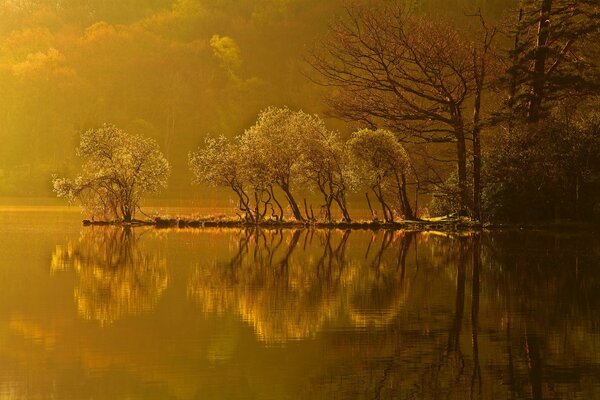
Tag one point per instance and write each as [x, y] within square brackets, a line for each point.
[549, 301]
[288, 284]
[115, 277]
[537, 336]
[362, 314]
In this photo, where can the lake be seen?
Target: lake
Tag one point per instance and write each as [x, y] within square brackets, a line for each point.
[112, 313]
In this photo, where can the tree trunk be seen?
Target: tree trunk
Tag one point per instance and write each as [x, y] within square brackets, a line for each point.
[341, 202]
[293, 205]
[276, 202]
[373, 215]
[476, 176]
[306, 210]
[477, 153]
[461, 152]
[256, 207]
[539, 62]
[514, 74]
[127, 215]
[406, 207]
[388, 216]
[328, 200]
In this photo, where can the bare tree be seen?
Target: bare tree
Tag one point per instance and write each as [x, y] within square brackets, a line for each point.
[405, 73]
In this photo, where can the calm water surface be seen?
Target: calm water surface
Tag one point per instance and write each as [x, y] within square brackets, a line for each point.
[90, 313]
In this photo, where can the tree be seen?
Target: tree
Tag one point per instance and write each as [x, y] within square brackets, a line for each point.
[284, 147]
[545, 171]
[325, 166]
[222, 162]
[555, 55]
[408, 74]
[273, 146]
[384, 166]
[118, 170]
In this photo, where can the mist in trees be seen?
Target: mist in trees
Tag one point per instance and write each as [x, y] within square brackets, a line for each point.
[170, 69]
[447, 80]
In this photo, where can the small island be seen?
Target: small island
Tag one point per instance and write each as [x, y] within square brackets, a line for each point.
[284, 150]
[439, 121]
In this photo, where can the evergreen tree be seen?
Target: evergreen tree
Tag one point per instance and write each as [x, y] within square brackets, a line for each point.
[555, 55]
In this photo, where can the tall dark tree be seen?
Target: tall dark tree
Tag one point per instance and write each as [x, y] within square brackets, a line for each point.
[416, 77]
[555, 55]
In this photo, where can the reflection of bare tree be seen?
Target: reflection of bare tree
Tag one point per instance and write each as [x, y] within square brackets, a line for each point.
[287, 284]
[115, 277]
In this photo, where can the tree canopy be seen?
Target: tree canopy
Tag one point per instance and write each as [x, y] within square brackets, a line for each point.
[118, 170]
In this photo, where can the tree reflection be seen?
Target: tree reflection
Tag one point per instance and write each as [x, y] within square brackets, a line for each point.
[379, 291]
[548, 298]
[389, 314]
[487, 316]
[115, 277]
[288, 284]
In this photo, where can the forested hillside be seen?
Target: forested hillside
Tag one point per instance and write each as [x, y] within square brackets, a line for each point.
[171, 70]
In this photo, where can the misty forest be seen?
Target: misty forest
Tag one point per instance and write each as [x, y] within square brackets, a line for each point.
[486, 110]
[299, 199]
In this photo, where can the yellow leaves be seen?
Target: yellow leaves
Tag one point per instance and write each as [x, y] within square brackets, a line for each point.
[28, 40]
[99, 31]
[48, 64]
[227, 51]
[270, 10]
[188, 8]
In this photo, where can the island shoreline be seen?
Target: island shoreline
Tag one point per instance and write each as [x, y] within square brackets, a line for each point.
[447, 225]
